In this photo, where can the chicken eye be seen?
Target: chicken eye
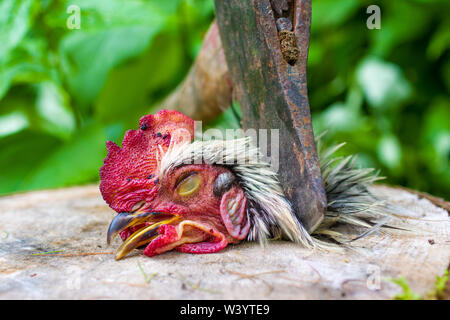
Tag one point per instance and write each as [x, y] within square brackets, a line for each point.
[189, 184]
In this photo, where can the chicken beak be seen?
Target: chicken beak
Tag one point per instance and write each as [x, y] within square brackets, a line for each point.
[142, 236]
[124, 220]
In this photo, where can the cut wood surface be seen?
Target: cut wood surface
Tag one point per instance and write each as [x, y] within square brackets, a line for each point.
[67, 227]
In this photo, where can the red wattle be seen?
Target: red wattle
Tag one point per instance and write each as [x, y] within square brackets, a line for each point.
[168, 235]
[211, 246]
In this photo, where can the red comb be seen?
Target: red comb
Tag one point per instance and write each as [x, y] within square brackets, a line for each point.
[132, 168]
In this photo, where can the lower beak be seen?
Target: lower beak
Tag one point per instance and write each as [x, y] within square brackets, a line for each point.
[142, 236]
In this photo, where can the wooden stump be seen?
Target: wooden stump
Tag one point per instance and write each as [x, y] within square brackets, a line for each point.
[73, 222]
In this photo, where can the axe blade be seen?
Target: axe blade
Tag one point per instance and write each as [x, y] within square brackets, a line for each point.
[268, 70]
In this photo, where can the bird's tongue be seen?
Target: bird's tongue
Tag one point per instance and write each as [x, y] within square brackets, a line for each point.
[126, 233]
[188, 236]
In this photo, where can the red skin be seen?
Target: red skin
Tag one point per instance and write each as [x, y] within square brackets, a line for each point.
[129, 177]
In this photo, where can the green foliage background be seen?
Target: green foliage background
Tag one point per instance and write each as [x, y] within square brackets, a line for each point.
[63, 92]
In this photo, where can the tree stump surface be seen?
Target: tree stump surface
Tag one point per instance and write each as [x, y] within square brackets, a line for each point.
[74, 221]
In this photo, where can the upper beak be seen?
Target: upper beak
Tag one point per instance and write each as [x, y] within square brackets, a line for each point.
[140, 237]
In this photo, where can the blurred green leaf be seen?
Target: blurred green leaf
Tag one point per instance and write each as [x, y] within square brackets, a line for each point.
[229, 119]
[52, 104]
[407, 293]
[401, 21]
[108, 14]
[440, 42]
[436, 134]
[88, 57]
[389, 151]
[12, 123]
[339, 117]
[331, 13]
[75, 162]
[383, 83]
[193, 14]
[21, 153]
[19, 56]
[446, 74]
[15, 20]
[118, 34]
[128, 86]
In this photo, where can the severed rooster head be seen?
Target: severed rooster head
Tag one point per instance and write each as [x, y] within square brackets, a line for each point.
[171, 192]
